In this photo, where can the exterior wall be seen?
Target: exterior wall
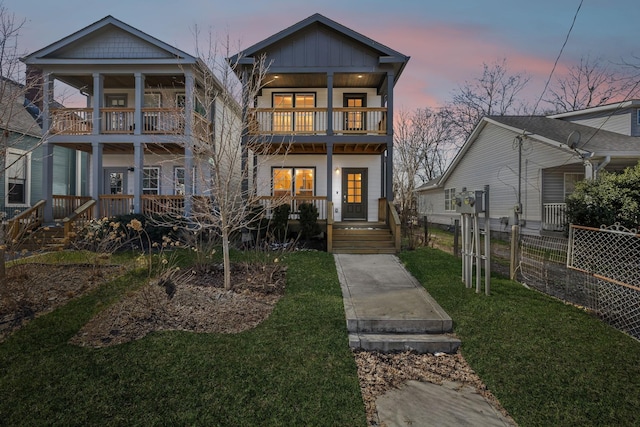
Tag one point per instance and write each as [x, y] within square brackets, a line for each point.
[319, 162]
[623, 122]
[492, 160]
[553, 182]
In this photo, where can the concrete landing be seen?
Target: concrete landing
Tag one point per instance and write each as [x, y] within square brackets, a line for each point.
[387, 309]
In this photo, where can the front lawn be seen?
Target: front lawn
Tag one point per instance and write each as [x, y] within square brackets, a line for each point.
[548, 363]
[294, 369]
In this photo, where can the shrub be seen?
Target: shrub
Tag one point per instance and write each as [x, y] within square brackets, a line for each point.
[309, 226]
[280, 221]
[610, 198]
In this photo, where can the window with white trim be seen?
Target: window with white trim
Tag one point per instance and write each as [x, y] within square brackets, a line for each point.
[179, 181]
[450, 199]
[151, 180]
[17, 177]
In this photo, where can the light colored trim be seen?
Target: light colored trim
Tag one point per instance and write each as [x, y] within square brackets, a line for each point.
[26, 155]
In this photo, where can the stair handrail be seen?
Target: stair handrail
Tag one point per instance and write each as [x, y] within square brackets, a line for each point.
[25, 221]
[81, 213]
[394, 224]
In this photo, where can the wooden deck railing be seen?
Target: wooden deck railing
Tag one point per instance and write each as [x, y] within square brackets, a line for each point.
[20, 225]
[163, 121]
[313, 121]
[77, 219]
[63, 206]
[270, 202]
[387, 213]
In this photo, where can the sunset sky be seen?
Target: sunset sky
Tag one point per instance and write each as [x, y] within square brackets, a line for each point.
[447, 41]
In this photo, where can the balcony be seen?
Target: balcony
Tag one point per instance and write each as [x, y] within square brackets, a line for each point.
[155, 121]
[314, 121]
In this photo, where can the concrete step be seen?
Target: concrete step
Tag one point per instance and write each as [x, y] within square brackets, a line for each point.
[363, 251]
[400, 326]
[421, 343]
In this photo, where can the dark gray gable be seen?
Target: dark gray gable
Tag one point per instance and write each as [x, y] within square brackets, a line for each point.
[320, 46]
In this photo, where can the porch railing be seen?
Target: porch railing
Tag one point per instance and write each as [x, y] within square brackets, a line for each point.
[150, 204]
[115, 204]
[20, 225]
[270, 202]
[313, 121]
[165, 121]
[555, 216]
[77, 219]
[63, 205]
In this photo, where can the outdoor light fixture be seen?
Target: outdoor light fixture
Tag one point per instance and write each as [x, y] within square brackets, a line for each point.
[337, 171]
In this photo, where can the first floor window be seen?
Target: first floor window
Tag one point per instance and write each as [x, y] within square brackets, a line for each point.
[450, 199]
[16, 176]
[293, 182]
[151, 180]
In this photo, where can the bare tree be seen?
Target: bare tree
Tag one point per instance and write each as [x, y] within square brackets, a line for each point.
[19, 131]
[494, 93]
[423, 145]
[590, 83]
[228, 202]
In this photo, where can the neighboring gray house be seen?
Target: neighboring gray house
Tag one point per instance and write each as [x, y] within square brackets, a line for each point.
[21, 155]
[532, 163]
[142, 126]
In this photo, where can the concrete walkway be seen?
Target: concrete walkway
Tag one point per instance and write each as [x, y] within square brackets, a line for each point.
[387, 309]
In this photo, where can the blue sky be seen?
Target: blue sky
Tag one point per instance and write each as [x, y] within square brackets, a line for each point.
[447, 41]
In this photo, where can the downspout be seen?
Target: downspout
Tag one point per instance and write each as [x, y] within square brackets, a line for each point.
[604, 163]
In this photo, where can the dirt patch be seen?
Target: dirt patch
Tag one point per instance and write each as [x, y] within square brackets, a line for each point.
[189, 300]
[32, 289]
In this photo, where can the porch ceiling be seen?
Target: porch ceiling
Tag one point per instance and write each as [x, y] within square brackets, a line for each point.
[319, 80]
[321, 148]
[123, 81]
[121, 148]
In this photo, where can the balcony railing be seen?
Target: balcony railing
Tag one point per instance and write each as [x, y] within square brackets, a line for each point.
[313, 121]
[163, 121]
[555, 217]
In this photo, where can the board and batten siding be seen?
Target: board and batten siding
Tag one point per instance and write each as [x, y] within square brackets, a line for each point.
[318, 46]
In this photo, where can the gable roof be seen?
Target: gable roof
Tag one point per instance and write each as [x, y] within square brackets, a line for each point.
[385, 53]
[61, 49]
[13, 111]
[552, 132]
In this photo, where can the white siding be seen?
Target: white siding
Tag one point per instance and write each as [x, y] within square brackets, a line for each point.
[620, 122]
[492, 160]
[372, 163]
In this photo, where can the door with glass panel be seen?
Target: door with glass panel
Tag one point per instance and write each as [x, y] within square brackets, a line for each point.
[115, 185]
[354, 194]
[294, 113]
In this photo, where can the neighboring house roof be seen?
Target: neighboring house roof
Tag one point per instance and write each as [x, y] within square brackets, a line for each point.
[563, 135]
[64, 48]
[429, 185]
[14, 117]
[602, 108]
[387, 55]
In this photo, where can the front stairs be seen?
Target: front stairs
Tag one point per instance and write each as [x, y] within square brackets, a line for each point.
[45, 238]
[362, 238]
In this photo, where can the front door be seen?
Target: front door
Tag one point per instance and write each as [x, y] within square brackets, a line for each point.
[354, 194]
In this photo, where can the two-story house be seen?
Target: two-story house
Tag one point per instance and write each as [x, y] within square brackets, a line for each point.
[144, 125]
[531, 164]
[327, 97]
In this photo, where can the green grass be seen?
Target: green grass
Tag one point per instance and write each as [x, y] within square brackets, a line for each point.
[549, 364]
[294, 369]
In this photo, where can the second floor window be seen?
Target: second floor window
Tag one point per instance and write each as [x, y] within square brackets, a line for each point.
[298, 114]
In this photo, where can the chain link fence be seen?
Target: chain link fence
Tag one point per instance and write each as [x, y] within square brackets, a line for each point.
[598, 269]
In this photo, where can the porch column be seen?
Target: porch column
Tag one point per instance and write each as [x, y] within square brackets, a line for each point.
[47, 150]
[138, 122]
[96, 175]
[188, 146]
[329, 104]
[98, 90]
[389, 175]
[138, 167]
[329, 171]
